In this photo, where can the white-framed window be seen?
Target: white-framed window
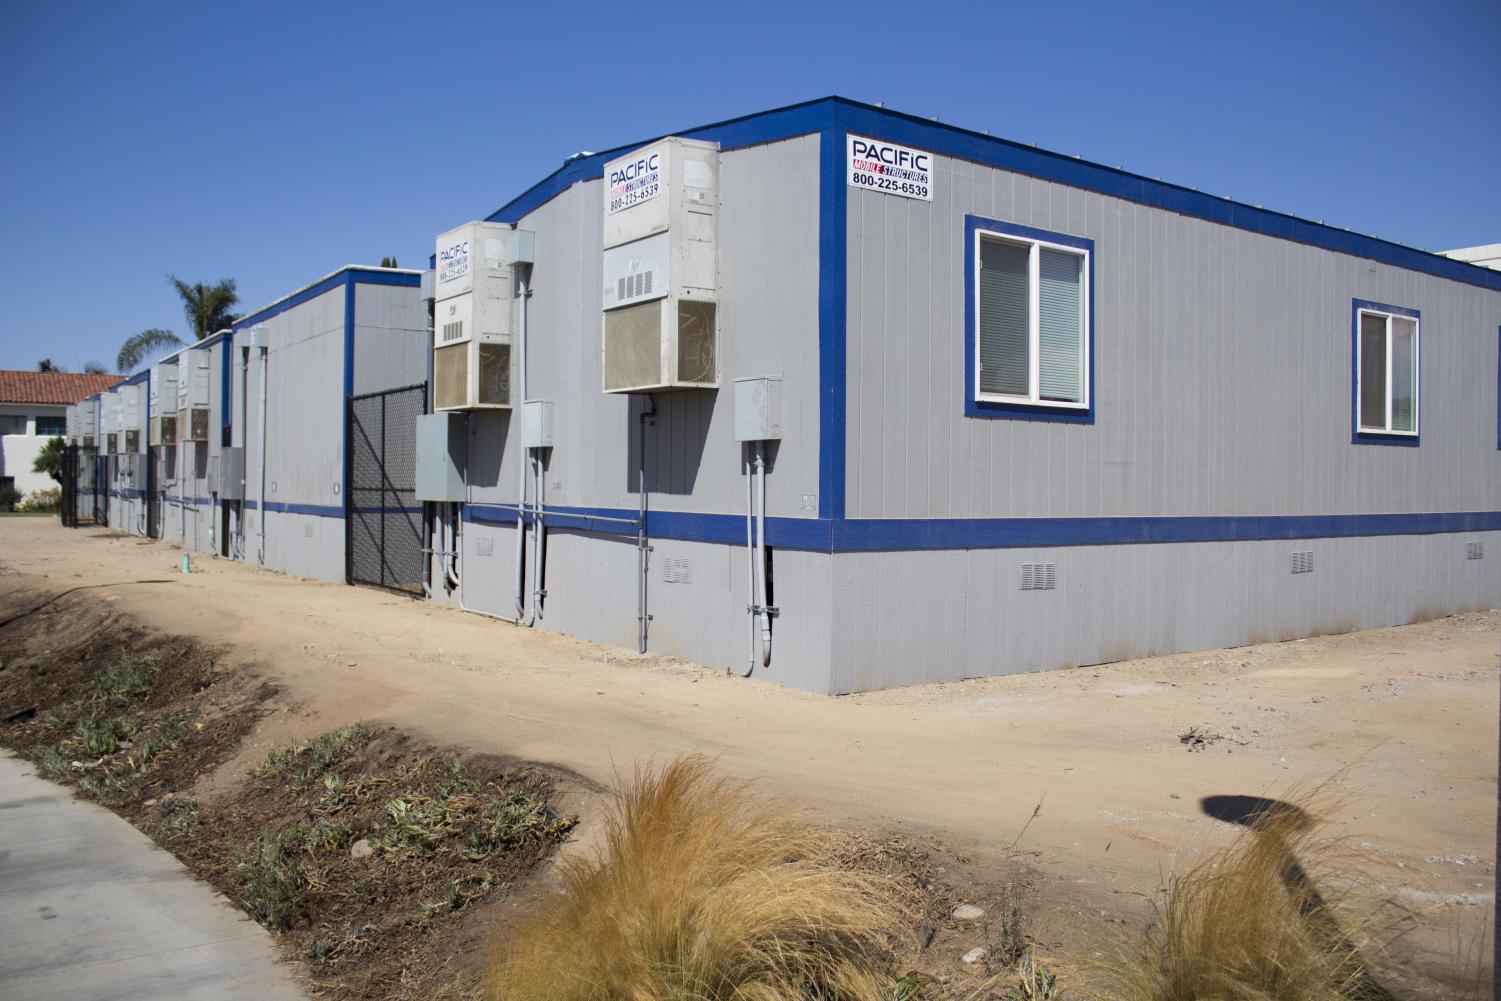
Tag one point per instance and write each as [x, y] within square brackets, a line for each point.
[1386, 373]
[1032, 320]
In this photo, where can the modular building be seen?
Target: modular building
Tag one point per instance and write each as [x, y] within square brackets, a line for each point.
[252, 420]
[998, 409]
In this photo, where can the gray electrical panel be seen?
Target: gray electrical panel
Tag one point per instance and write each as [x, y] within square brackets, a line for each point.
[440, 457]
[226, 474]
[758, 408]
[536, 424]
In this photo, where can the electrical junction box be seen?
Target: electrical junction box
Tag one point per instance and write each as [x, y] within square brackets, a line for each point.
[226, 473]
[192, 395]
[474, 289]
[536, 424]
[758, 408]
[441, 447]
[164, 403]
[660, 268]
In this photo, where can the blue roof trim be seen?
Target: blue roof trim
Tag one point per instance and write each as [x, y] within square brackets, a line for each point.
[211, 339]
[859, 535]
[333, 281]
[734, 133]
[136, 379]
[952, 141]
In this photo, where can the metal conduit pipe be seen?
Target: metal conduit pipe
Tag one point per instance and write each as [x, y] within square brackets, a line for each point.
[762, 608]
[539, 536]
[523, 616]
[648, 414]
[261, 509]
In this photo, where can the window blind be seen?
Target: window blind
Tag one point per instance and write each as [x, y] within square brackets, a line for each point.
[1404, 374]
[1372, 371]
[1061, 326]
[1004, 336]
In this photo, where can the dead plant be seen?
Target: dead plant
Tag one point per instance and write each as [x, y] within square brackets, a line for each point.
[702, 891]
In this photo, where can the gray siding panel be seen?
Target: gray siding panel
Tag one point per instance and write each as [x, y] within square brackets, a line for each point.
[913, 617]
[1222, 371]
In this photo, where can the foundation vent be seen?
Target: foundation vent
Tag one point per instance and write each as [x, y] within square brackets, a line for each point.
[1474, 550]
[1301, 563]
[1039, 576]
[675, 570]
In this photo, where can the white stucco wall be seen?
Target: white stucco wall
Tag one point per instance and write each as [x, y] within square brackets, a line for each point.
[18, 451]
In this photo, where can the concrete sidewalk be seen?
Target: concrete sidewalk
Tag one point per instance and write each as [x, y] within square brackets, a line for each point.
[91, 909]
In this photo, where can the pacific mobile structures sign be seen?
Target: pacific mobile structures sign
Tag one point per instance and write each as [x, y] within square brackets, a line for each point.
[889, 168]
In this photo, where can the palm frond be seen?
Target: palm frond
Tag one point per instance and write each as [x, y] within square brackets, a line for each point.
[137, 348]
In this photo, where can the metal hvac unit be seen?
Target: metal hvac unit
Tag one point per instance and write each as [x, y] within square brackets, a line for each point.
[164, 404]
[472, 309]
[111, 422]
[226, 473]
[88, 422]
[70, 423]
[192, 395]
[661, 281]
[130, 400]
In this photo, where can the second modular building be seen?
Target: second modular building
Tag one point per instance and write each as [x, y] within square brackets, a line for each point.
[215, 471]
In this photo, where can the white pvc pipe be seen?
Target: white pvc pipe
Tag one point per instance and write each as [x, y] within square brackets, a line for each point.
[750, 563]
[523, 616]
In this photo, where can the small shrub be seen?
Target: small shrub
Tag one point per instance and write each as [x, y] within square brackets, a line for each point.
[1249, 924]
[510, 820]
[703, 891]
[51, 761]
[164, 737]
[41, 501]
[124, 680]
[100, 735]
[302, 763]
[176, 815]
[273, 875]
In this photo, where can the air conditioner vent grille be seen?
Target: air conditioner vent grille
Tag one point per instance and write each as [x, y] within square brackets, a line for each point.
[1474, 550]
[1301, 562]
[1039, 576]
[453, 331]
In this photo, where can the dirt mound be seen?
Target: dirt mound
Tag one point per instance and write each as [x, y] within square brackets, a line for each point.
[378, 861]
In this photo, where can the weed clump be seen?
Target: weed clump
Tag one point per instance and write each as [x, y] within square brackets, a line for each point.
[1250, 924]
[124, 680]
[300, 764]
[703, 891]
[274, 875]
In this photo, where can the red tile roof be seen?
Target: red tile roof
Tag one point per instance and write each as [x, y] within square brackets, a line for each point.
[52, 387]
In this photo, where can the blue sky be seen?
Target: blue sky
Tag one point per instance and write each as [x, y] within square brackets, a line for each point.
[274, 142]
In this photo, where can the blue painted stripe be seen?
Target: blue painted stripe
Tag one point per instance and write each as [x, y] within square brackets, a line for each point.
[316, 510]
[833, 320]
[856, 535]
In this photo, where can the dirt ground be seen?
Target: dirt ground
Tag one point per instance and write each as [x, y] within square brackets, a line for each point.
[1081, 781]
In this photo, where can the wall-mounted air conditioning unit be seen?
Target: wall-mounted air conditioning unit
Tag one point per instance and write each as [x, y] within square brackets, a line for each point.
[112, 422]
[88, 422]
[130, 398]
[164, 404]
[661, 278]
[192, 395]
[473, 304]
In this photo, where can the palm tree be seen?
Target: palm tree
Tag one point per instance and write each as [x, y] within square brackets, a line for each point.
[207, 308]
[139, 346]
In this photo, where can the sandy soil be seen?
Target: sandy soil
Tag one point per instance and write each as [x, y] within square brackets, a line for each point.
[1400, 723]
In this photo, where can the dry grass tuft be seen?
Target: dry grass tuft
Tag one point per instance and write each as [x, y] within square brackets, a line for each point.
[1251, 924]
[702, 891]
